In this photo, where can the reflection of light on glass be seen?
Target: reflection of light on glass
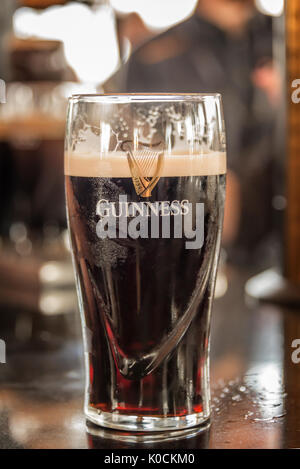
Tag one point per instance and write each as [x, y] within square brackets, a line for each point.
[168, 137]
[135, 139]
[270, 7]
[189, 129]
[88, 35]
[105, 137]
[221, 284]
[210, 110]
[66, 240]
[157, 14]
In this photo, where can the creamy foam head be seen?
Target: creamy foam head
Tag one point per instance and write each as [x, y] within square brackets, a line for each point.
[116, 165]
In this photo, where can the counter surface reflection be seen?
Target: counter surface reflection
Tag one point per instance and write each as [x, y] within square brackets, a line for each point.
[255, 386]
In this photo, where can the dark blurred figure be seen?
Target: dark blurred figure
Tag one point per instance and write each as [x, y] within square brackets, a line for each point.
[132, 28]
[226, 47]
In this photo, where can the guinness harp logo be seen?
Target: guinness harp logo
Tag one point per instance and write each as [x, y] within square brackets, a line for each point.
[145, 163]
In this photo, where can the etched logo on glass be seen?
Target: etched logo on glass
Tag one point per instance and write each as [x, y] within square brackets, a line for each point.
[145, 163]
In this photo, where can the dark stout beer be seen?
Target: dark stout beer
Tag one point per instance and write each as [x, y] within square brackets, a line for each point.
[146, 287]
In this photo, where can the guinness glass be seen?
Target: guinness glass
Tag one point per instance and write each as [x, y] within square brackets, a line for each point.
[145, 186]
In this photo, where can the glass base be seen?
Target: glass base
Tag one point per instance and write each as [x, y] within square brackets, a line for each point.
[142, 438]
[133, 423]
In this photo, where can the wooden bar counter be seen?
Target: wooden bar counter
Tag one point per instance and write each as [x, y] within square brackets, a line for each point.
[255, 386]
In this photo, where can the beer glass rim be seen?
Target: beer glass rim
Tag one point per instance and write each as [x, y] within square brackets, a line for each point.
[142, 97]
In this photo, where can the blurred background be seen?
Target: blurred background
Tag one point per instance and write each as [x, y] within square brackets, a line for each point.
[50, 49]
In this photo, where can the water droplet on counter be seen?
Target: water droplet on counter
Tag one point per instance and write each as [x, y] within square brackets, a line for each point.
[248, 415]
[236, 398]
[279, 416]
[269, 419]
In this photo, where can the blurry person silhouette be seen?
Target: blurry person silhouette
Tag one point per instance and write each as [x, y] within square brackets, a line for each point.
[132, 28]
[226, 47]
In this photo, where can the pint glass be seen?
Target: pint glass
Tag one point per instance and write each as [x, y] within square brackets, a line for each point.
[145, 187]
